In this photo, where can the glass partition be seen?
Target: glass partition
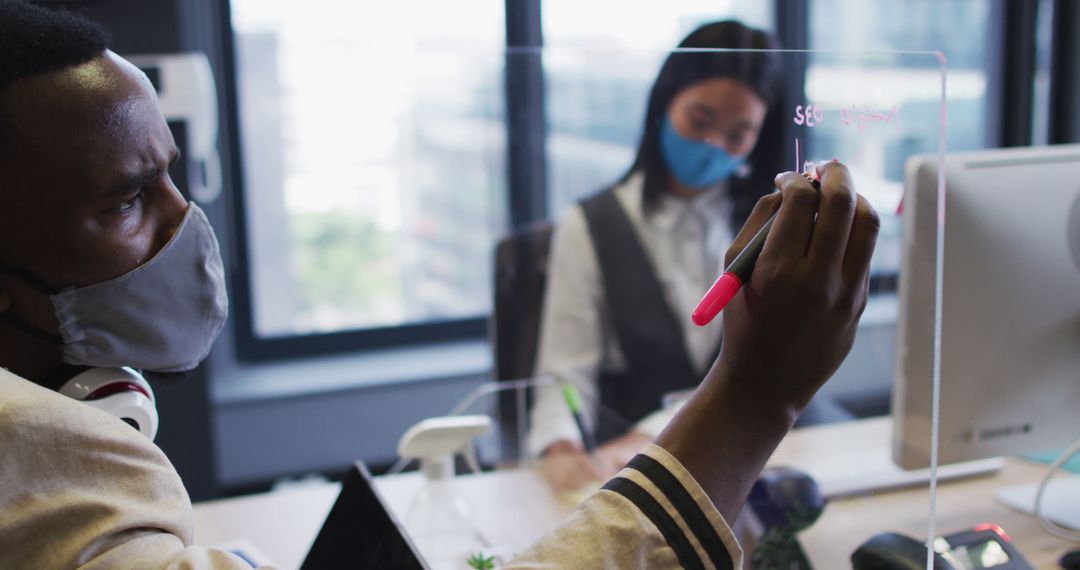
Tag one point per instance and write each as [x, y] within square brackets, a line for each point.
[884, 115]
[398, 180]
[407, 214]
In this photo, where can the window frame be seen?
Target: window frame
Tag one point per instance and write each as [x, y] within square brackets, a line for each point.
[527, 199]
[250, 346]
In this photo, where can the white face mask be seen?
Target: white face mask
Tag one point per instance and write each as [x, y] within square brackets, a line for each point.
[162, 316]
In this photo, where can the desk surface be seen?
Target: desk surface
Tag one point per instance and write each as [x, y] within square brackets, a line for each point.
[283, 524]
[961, 504]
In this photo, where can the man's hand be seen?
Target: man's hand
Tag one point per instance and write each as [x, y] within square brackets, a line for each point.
[785, 333]
[795, 321]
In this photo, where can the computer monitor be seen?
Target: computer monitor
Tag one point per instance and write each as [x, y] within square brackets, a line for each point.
[1010, 329]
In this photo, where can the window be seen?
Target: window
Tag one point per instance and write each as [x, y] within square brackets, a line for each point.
[1040, 112]
[375, 146]
[372, 152]
[601, 59]
[959, 30]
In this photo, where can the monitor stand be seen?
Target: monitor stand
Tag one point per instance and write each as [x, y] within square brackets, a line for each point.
[1061, 502]
[864, 463]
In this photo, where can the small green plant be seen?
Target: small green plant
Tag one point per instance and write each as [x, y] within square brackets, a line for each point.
[481, 562]
[779, 549]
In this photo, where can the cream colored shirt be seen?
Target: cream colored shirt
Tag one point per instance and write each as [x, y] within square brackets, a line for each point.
[685, 239]
[81, 489]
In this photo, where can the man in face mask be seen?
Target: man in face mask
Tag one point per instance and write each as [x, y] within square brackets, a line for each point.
[104, 264]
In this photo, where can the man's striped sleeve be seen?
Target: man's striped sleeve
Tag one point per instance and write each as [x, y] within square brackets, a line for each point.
[662, 489]
[653, 514]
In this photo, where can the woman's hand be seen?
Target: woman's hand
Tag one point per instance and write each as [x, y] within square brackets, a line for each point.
[614, 454]
[567, 466]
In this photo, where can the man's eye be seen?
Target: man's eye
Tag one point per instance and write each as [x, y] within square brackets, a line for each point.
[130, 203]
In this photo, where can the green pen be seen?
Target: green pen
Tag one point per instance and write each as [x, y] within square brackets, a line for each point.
[573, 401]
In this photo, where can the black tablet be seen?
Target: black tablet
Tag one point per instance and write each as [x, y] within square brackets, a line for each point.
[361, 532]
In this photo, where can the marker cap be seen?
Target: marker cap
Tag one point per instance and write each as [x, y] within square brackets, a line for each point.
[719, 295]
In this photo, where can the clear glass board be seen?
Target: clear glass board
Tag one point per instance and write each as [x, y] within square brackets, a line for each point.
[881, 114]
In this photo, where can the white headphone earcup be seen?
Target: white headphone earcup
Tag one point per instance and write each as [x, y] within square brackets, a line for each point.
[122, 392]
[133, 408]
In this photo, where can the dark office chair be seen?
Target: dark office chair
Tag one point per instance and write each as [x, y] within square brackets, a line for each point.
[521, 262]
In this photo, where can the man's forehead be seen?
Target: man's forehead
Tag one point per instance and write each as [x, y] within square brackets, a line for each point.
[100, 92]
[82, 126]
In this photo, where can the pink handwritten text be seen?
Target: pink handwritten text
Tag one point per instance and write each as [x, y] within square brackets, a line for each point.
[812, 115]
[861, 119]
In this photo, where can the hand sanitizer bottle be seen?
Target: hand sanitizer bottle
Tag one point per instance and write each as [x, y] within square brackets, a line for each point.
[440, 520]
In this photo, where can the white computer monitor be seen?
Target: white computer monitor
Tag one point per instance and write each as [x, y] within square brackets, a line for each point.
[1010, 336]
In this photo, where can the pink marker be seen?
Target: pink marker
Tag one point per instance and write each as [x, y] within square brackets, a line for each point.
[738, 272]
[718, 296]
[729, 283]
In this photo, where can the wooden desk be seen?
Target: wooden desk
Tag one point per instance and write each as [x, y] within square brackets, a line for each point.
[961, 504]
[283, 524]
[513, 510]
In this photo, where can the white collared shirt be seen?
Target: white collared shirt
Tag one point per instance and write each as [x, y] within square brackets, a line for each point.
[684, 238]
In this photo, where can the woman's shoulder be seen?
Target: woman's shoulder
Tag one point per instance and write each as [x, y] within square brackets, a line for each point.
[626, 193]
[572, 225]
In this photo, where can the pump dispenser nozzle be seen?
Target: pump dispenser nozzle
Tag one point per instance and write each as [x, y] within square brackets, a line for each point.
[434, 442]
[440, 518]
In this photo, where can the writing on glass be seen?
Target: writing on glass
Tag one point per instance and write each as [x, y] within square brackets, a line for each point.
[812, 115]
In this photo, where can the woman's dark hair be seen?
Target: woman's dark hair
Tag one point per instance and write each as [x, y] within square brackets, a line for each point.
[760, 71]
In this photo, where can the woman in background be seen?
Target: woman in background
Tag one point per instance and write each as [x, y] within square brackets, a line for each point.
[629, 264]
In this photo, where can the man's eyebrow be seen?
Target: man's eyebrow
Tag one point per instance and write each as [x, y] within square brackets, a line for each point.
[132, 181]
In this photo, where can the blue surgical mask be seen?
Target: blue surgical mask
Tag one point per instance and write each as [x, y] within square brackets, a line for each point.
[695, 163]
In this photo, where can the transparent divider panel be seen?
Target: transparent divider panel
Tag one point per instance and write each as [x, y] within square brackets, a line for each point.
[604, 117]
[494, 153]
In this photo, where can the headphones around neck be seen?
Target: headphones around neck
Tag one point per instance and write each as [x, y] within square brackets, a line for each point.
[121, 392]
